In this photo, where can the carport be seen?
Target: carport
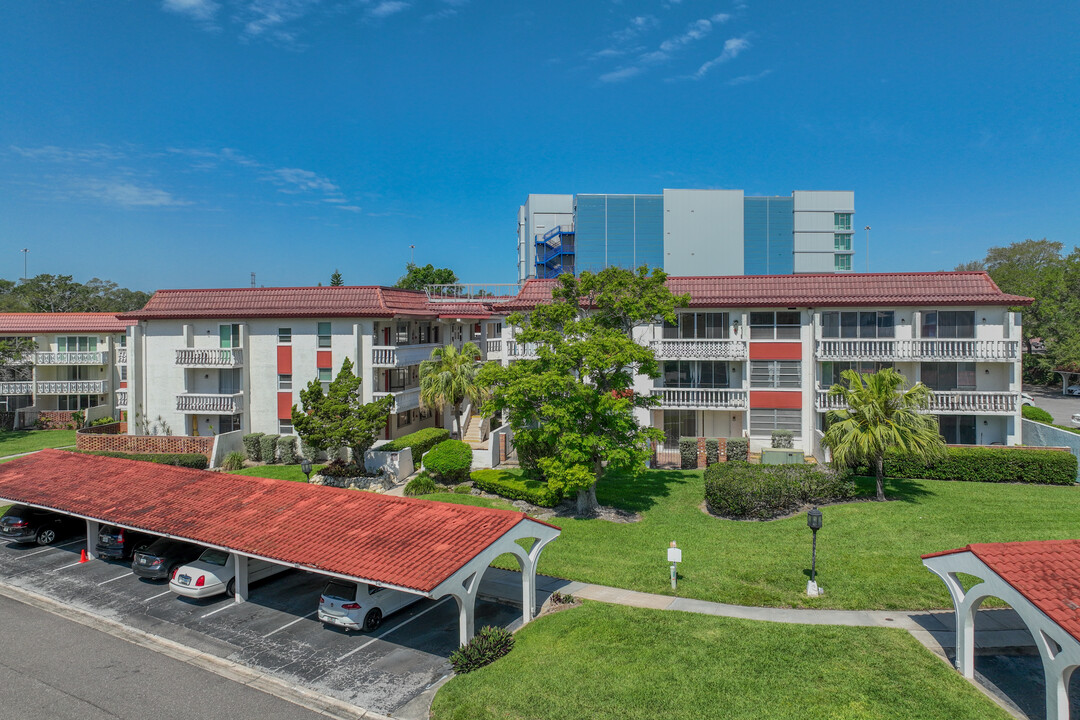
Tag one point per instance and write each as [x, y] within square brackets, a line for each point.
[1041, 581]
[423, 547]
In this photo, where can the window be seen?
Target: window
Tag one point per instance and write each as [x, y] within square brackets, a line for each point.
[775, 374]
[949, 375]
[325, 376]
[782, 325]
[401, 333]
[698, 326]
[229, 335]
[842, 263]
[957, 429]
[763, 421]
[121, 341]
[842, 242]
[324, 334]
[842, 221]
[399, 379]
[284, 336]
[677, 424]
[284, 382]
[404, 419]
[227, 423]
[284, 427]
[77, 402]
[831, 371]
[695, 374]
[858, 324]
[76, 344]
[949, 324]
[123, 373]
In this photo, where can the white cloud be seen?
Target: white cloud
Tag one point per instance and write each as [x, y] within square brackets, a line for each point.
[127, 194]
[733, 47]
[694, 32]
[386, 8]
[52, 153]
[621, 74]
[743, 79]
[294, 180]
[198, 9]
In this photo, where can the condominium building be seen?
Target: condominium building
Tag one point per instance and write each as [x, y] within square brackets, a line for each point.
[687, 232]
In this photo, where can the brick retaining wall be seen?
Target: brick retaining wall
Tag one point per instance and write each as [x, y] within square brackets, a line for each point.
[111, 442]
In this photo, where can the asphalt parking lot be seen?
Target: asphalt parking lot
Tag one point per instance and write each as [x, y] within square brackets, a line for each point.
[1052, 401]
[276, 631]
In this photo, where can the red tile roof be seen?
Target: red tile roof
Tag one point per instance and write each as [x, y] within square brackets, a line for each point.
[1046, 572]
[825, 290]
[40, 323]
[397, 541]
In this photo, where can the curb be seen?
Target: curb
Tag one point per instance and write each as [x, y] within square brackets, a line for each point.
[331, 707]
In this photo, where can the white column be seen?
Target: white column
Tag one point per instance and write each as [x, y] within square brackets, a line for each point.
[91, 538]
[240, 563]
[965, 639]
[1057, 691]
[528, 590]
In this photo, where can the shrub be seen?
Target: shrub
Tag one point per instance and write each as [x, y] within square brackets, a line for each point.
[286, 447]
[782, 439]
[422, 484]
[688, 453]
[712, 451]
[738, 449]
[761, 492]
[233, 461]
[420, 441]
[188, 460]
[487, 646]
[338, 468]
[311, 453]
[558, 598]
[514, 487]
[268, 448]
[986, 464]
[251, 446]
[1030, 412]
[463, 489]
[107, 420]
[449, 461]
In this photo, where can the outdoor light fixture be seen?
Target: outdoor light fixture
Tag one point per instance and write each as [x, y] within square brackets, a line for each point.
[305, 467]
[813, 521]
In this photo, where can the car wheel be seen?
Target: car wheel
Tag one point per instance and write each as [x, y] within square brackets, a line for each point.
[230, 589]
[46, 536]
[372, 620]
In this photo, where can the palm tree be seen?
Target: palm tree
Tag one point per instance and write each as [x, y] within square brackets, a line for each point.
[881, 414]
[449, 377]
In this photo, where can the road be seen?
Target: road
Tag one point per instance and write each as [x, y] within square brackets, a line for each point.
[59, 669]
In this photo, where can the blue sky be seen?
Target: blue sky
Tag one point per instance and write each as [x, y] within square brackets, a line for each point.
[187, 143]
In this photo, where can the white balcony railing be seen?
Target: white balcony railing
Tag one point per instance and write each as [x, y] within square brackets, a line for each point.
[209, 357]
[702, 398]
[494, 347]
[403, 399]
[17, 387]
[72, 387]
[198, 404]
[948, 402]
[121, 356]
[520, 350]
[671, 349]
[121, 398]
[71, 358]
[919, 349]
[401, 355]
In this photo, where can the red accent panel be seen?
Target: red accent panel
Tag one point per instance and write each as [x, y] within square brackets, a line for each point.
[324, 359]
[776, 399]
[776, 351]
[284, 359]
[284, 405]
[123, 384]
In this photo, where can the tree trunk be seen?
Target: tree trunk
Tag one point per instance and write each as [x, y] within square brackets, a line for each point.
[457, 416]
[879, 475]
[586, 500]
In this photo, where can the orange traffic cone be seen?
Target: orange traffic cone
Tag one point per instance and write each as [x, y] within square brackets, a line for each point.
[82, 556]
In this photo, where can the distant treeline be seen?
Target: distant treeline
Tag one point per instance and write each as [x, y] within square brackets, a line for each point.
[59, 293]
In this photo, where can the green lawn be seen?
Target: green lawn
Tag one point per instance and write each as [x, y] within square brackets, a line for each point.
[278, 472]
[868, 552]
[610, 662]
[13, 442]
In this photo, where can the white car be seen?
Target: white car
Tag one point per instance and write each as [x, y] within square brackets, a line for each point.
[215, 572]
[1075, 419]
[359, 606]
[1072, 390]
[1026, 399]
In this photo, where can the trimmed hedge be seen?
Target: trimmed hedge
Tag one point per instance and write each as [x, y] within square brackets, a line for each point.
[985, 464]
[311, 453]
[252, 446]
[514, 487]
[487, 646]
[233, 461]
[268, 448]
[783, 439]
[1030, 412]
[712, 451]
[738, 449]
[188, 460]
[420, 441]
[449, 461]
[286, 447]
[688, 453]
[761, 492]
[422, 484]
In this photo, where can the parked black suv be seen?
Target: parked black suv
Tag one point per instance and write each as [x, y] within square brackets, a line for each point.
[27, 525]
[114, 543]
[159, 560]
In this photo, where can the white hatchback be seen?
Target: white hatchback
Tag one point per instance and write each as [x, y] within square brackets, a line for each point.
[215, 573]
[359, 606]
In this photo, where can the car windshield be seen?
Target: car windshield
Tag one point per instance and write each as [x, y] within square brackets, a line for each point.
[214, 557]
[340, 590]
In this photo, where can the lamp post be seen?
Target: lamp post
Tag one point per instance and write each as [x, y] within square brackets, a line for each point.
[305, 467]
[867, 248]
[813, 521]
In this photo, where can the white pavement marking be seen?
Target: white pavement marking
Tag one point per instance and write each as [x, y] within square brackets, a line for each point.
[65, 567]
[226, 606]
[289, 624]
[115, 578]
[51, 547]
[167, 592]
[396, 627]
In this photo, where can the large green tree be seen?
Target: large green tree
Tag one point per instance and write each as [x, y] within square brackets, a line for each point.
[572, 408]
[449, 377]
[337, 418]
[60, 293]
[882, 414]
[417, 278]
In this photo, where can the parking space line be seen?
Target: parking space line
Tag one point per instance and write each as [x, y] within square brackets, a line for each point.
[401, 624]
[115, 578]
[167, 592]
[65, 567]
[51, 547]
[226, 606]
[289, 624]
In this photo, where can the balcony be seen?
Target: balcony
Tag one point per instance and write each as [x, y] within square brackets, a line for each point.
[403, 399]
[949, 402]
[17, 387]
[494, 349]
[396, 356]
[206, 404]
[676, 349]
[72, 387]
[121, 356]
[71, 358]
[121, 398]
[919, 350]
[520, 351]
[209, 358]
[702, 398]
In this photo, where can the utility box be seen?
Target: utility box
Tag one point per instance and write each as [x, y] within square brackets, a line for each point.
[781, 456]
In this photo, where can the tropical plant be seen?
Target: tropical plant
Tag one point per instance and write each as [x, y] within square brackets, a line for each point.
[335, 279]
[449, 377]
[337, 418]
[882, 414]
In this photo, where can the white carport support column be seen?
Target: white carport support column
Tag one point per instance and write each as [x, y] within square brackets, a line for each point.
[1059, 650]
[465, 583]
[240, 563]
[92, 529]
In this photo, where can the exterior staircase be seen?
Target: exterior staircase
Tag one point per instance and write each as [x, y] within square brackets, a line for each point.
[473, 432]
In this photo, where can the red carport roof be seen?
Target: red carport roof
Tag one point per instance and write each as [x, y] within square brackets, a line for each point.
[1046, 572]
[38, 323]
[396, 541]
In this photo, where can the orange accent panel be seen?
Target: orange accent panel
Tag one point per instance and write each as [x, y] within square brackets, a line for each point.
[284, 405]
[324, 359]
[123, 384]
[284, 360]
[776, 399]
[776, 351]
